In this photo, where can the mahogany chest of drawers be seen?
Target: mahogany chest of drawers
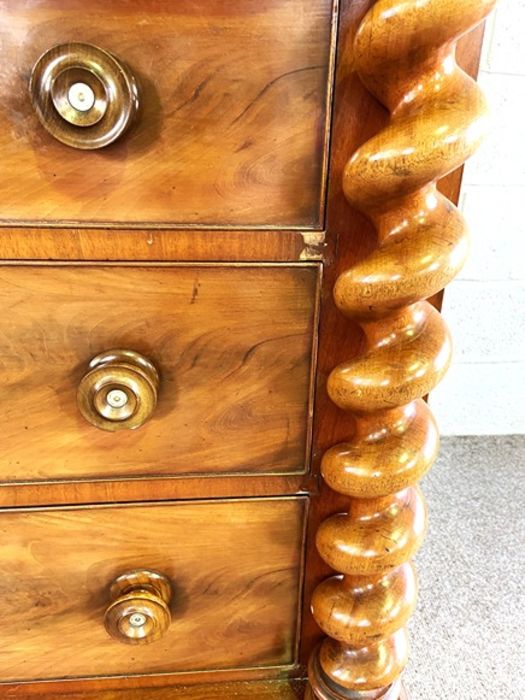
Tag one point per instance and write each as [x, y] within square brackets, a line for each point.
[219, 222]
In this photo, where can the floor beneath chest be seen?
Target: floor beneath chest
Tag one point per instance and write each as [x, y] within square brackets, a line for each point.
[467, 631]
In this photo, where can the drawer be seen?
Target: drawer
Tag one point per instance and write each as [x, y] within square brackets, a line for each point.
[233, 346]
[233, 570]
[231, 128]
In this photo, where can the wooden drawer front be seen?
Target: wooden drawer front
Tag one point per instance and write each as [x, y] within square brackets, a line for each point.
[233, 346]
[232, 123]
[234, 567]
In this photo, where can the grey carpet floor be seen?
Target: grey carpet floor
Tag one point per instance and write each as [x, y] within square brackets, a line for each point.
[468, 632]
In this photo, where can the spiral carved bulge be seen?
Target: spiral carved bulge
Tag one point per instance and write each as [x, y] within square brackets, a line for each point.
[404, 54]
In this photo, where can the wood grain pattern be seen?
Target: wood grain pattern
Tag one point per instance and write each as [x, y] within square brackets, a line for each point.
[155, 489]
[235, 569]
[232, 127]
[215, 680]
[233, 346]
[357, 116]
[404, 54]
[259, 690]
[193, 245]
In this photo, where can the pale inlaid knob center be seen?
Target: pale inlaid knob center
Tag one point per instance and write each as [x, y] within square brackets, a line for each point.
[117, 398]
[81, 97]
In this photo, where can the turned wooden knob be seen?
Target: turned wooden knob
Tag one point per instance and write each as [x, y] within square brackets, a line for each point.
[119, 392]
[139, 612]
[84, 96]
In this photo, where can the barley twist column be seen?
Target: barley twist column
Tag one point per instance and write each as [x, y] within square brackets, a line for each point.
[405, 55]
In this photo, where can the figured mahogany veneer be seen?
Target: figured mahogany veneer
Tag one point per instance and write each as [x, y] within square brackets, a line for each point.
[226, 161]
[233, 346]
[234, 569]
[232, 127]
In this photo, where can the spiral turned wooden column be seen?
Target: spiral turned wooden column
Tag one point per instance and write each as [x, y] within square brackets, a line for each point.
[404, 54]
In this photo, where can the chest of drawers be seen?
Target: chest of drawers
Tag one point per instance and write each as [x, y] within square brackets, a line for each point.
[214, 343]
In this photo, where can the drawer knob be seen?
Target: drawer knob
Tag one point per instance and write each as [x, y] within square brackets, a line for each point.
[139, 610]
[119, 391]
[84, 96]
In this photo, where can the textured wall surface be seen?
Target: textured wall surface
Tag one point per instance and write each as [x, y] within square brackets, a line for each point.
[485, 306]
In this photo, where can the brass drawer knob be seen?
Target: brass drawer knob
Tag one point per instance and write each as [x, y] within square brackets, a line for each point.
[84, 96]
[119, 391]
[139, 610]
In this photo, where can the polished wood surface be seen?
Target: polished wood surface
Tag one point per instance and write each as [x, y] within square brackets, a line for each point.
[119, 391]
[351, 238]
[309, 695]
[139, 612]
[404, 54]
[232, 129]
[194, 245]
[234, 567]
[152, 488]
[233, 347]
[181, 682]
[254, 690]
[321, 687]
[83, 96]
[357, 116]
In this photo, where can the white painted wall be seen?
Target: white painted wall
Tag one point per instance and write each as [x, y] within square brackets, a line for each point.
[483, 393]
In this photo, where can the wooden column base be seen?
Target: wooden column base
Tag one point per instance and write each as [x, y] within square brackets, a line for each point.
[310, 695]
[320, 687]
